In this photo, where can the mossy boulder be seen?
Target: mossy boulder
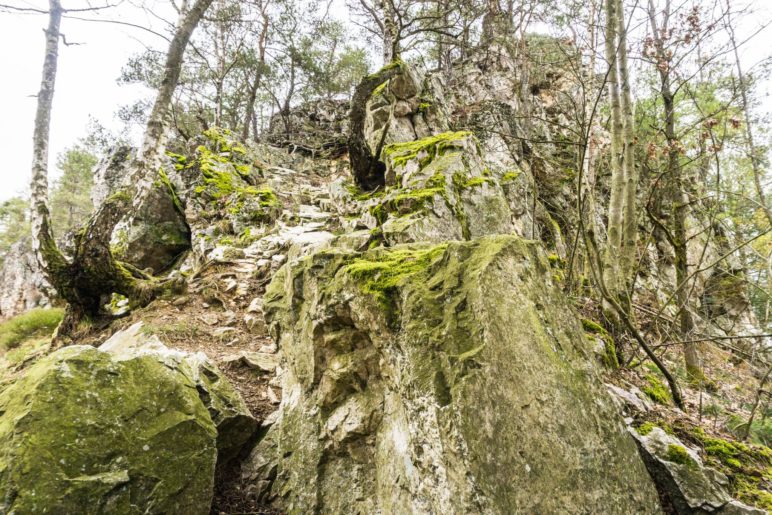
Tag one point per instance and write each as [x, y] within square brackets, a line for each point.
[155, 234]
[409, 387]
[687, 485]
[124, 429]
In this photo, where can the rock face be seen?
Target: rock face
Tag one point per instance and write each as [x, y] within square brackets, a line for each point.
[22, 284]
[129, 428]
[410, 388]
[689, 486]
[155, 235]
[110, 173]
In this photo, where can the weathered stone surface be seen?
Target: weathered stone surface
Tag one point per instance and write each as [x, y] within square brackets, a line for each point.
[410, 388]
[232, 419]
[110, 173]
[689, 486]
[407, 107]
[22, 284]
[131, 427]
[82, 432]
[438, 189]
[155, 235]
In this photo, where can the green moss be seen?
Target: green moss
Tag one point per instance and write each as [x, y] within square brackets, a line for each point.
[678, 454]
[380, 273]
[361, 195]
[36, 323]
[401, 153]
[510, 176]
[424, 106]
[80, 431]
[166, 183]
[180, 161]
[396, 63]
[748, 467]
[223, 141]
[380, 89]
[610, 353]
[656, 389]
[461, 182]
[646, 428]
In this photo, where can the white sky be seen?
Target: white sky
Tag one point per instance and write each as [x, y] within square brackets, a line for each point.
[86, 82]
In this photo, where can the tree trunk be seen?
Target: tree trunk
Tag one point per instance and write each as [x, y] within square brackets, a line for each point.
[50, 259]
[678, 199]
[249, 118]
[93, 272]
[612, 269]
[154, 140]
[391, 49]
[629, 175]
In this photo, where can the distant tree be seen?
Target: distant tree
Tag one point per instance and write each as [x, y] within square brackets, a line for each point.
[14, 223]
[71, 199]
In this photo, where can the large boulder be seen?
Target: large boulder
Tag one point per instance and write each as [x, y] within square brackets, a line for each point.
[154, 234]
[409, 387]
[130, 428]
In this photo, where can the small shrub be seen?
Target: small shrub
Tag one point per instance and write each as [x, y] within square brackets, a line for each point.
[39, 322]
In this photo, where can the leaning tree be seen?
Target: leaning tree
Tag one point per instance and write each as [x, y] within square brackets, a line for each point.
[82, 279]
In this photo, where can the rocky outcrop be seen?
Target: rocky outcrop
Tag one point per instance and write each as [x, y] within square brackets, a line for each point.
[685, 483]
[22, 284]
[317, 128]
[222, 193]
[132, 427]
[439, 188]
[410, 387]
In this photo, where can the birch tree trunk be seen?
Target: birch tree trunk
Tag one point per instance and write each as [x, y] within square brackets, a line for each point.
[154, 139]
[49, 257]
[93, 272]
[612, 270]
[629, 175]
[391, 48]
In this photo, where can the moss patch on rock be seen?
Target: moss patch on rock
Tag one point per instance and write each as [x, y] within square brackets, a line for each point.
[83, 433]
[425, 149]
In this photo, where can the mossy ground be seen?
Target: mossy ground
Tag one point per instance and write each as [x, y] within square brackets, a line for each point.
[36, 323]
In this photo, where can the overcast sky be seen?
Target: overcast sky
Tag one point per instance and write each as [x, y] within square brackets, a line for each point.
[86, 82]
